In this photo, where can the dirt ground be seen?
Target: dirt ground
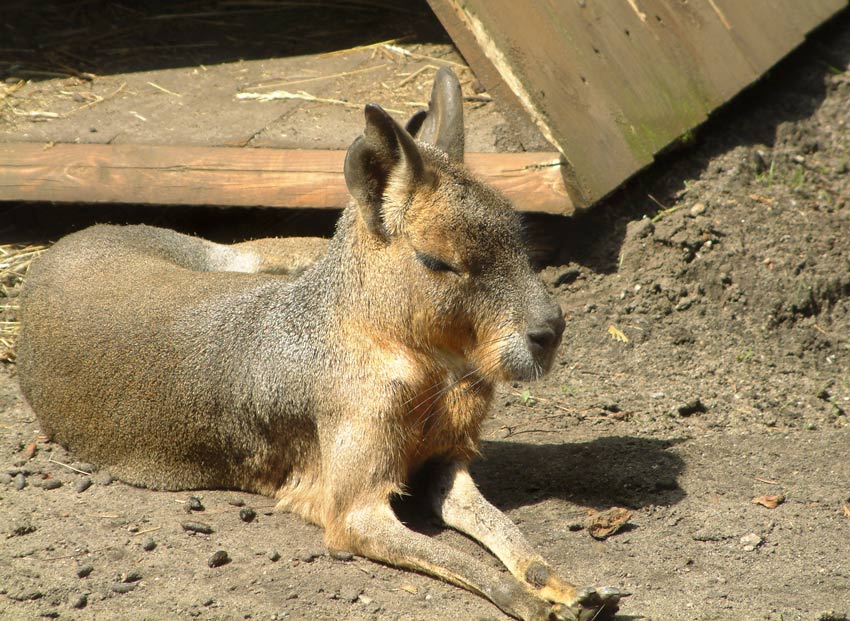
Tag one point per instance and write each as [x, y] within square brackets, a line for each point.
[706, 363]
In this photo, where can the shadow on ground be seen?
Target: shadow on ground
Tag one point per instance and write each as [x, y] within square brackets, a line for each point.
[607, 471]
[44, 40]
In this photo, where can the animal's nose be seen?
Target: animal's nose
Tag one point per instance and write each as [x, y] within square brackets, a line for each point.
[546, 334]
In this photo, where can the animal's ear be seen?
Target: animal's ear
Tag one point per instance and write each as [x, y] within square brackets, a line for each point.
[442, 124]
[385, 155]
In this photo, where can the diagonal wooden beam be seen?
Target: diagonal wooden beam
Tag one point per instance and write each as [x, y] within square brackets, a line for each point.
[225, 176]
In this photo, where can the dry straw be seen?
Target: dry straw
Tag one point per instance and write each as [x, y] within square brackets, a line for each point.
[15, 261]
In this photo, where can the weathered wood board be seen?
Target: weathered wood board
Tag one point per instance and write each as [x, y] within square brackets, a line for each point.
[230, 176]
[612, 82]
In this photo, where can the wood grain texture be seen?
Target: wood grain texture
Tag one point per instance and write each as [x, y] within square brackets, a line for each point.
[611, 84]
[224, 176]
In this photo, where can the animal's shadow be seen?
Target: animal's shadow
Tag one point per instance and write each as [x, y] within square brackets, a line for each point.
[610, 471]
[613, 470]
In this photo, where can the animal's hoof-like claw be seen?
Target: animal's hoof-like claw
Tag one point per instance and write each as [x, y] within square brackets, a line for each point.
[596, 604]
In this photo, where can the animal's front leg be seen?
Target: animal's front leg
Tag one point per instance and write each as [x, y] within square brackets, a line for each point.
[373, 530]
[460, 505]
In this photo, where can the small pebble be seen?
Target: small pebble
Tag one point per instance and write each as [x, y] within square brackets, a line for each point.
[133, 576]
[274, 556]
[341, 555]
[103, 478]
[51, 484]
[84, 571]
[85, 467]
[5, 479]
[218, 559]
[308, 557]
[197, 527]
[236, 502]
[82, 485]
[698, 209]
[20, 481]
[124, 587]
[693, 406]
[81, 601]
[194, 504]
[247, 514]
[751, 542]
[149, 544]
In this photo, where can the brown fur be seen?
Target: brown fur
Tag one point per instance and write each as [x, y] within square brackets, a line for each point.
[179, 363]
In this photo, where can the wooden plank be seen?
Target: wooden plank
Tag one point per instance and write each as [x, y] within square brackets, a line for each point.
[611, 84]
[236, 177]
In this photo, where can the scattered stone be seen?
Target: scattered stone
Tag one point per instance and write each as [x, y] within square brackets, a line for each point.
[308, 557]
[49, 614]
[82, 485]
[84, 571]
[51, 484]
[149, 544]
[85, 467]
[133, 576]
[218, 559]
[611, 407]
[760, 163]
[247, 514]
[698, 209]
[19, 530]
[364, 599]
[124, 587]
[81, 601]
[236, 502]
[103, 478]
[194, 504]
[341, 555]
[751, 542]
[132, 528]
[349, 594]
[5, 479]
[274, 556]
[20, 481]
[26, 595]
[694, 406]
[197, 527]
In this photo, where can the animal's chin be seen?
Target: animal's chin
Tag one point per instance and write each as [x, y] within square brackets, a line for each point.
[524, 366]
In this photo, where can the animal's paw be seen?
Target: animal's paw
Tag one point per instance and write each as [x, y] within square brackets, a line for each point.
[593, 604]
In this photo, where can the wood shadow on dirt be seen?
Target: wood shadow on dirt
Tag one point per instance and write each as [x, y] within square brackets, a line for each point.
[608, 471]
[71, 38]
[791, 91]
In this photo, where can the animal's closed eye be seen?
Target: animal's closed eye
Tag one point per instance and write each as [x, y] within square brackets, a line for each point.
[433, 263]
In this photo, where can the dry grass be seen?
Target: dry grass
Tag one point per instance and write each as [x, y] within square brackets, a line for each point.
[15, 260]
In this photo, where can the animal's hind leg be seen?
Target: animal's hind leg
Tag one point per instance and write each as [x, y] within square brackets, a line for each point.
[460, 505]
[374, 531]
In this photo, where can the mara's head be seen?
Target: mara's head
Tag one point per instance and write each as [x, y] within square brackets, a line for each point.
[444, 267]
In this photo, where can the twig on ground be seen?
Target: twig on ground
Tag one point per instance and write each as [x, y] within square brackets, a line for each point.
[303, 96]
[53, 461]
